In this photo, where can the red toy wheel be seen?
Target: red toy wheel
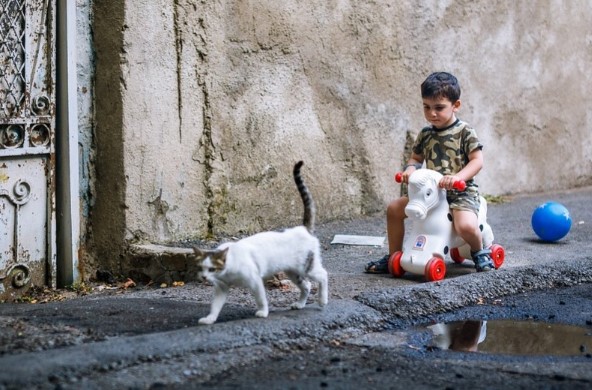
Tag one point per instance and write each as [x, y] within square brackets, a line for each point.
[455, 256]
[498, 254]
[435, 269]
[394, 264]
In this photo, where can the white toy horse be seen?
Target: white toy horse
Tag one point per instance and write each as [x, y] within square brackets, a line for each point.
[432, 235]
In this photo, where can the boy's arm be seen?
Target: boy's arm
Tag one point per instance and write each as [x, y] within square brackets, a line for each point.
[415, 162]
[467, 173]
[473, 167]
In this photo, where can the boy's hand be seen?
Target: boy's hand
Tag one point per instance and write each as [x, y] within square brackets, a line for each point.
[447, 182]
[405, 176]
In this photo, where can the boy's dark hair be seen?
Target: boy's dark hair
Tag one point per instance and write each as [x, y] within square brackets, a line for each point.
[441, 84]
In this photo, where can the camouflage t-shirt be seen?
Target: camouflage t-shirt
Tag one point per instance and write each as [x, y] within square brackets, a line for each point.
[447, 150]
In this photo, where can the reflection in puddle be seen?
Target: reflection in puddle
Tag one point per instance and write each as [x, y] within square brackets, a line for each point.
[513, 337]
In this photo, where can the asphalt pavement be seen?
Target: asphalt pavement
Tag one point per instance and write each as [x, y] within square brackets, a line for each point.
[148, 336]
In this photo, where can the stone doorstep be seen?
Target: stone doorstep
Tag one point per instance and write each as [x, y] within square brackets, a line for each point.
[159, 264]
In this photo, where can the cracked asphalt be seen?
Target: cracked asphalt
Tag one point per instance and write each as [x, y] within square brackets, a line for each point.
[370, 334]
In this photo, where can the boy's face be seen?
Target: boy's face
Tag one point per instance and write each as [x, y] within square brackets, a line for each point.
[440, 112]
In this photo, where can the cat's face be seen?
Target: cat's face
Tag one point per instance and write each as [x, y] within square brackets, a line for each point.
[209, 263]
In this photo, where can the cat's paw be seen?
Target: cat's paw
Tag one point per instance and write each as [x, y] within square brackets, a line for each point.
[298, 305]
[262, 313]
[322, 302]
[209, 320]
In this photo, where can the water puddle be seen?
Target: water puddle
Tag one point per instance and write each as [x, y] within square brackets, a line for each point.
[513, 338]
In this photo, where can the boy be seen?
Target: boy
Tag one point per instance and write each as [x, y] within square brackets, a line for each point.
[451, 147]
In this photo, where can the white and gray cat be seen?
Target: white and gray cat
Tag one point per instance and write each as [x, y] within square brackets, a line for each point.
[248, 262]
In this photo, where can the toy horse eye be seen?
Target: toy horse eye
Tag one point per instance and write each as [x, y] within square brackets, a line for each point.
[428, 192]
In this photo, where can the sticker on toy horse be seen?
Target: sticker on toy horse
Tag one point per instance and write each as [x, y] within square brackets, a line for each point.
[420, 242]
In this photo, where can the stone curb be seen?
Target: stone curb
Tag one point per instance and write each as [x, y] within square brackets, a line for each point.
[341, 319]
[416, 301]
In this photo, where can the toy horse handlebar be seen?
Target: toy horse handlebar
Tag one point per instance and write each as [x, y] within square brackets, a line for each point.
[458, 185]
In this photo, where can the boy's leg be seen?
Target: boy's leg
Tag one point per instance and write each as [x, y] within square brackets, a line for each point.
[395, 223]
[466, 225]
[395, 228]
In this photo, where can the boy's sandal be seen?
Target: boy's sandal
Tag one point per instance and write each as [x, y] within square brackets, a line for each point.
[378, 266]
[483, 261]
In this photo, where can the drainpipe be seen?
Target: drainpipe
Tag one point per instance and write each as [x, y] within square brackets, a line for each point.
[67, 169]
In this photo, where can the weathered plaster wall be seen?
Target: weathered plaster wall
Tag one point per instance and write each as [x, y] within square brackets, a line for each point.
[217, 100]
[164, 125]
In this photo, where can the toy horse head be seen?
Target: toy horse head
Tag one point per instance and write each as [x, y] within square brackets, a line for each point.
[424, 193]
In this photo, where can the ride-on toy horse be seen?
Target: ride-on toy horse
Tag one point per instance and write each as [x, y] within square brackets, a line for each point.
[432, 235]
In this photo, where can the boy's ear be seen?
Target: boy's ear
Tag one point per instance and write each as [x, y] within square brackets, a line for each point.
[456, 105]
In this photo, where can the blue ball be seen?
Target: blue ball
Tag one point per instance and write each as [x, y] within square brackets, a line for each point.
[551, 221]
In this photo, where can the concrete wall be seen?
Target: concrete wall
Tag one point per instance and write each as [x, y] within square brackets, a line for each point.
[203, 107]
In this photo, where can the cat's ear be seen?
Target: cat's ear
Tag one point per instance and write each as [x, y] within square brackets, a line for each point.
[198, 255]
[220, 258]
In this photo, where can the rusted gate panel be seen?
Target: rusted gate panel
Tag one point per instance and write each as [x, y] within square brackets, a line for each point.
[27, 157]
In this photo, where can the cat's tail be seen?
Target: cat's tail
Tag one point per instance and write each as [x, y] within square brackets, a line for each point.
[309, 206]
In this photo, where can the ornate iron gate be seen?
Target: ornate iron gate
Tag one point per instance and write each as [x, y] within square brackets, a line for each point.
[27, 156]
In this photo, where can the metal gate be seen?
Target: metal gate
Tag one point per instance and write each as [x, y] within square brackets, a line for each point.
[27, 153]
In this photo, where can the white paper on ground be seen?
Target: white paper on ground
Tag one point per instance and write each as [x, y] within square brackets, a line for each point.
[357, 240]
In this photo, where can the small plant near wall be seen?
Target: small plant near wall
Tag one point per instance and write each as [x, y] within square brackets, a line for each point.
[496, 198]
